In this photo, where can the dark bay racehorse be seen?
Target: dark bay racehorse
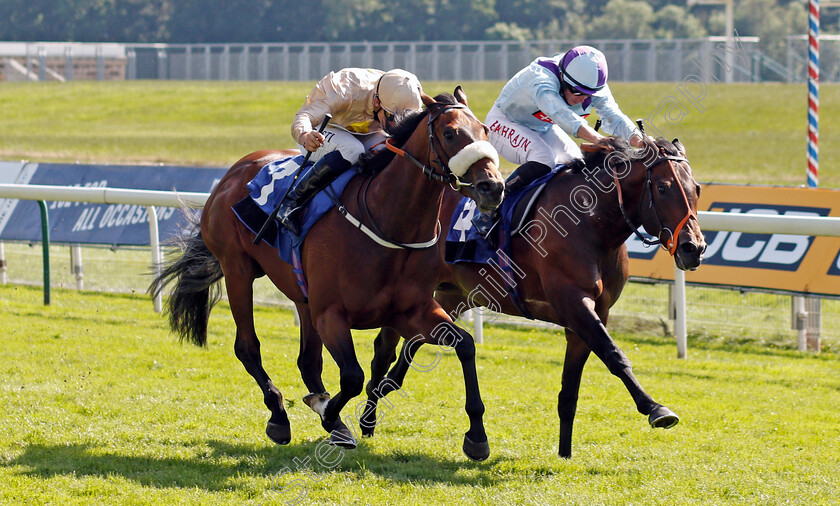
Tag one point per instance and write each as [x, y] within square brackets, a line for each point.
[571, 264]
[354, 283]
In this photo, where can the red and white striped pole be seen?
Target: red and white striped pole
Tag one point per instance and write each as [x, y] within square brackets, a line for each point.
[813, 92]
[813, 148]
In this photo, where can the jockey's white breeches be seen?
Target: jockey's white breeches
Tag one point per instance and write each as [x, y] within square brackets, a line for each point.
[351, 145]
[518, 144]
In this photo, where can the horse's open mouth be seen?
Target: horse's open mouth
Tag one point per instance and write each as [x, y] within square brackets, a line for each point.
[489, 203]
[690, 264]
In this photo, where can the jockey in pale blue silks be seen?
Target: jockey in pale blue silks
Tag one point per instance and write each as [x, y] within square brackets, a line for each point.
[542, 107]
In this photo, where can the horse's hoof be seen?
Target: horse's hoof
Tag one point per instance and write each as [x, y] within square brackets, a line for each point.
[343, 438]
[476, 451]
[280, 434]
[663, 418]
[367, 432]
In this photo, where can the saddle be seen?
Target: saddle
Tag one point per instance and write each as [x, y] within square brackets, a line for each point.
[465, 244]
[267, 189]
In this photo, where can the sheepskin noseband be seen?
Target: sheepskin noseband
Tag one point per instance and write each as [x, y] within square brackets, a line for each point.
[471, 153]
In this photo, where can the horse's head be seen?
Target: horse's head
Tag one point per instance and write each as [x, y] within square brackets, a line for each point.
[671, 196]
[461, 150]
[662, 181]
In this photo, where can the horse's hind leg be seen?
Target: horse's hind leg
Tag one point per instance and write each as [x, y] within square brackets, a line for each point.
[334, 330]
[576, 354]
[311, 365]
[384, 354]
[310, 358]
[239, 283]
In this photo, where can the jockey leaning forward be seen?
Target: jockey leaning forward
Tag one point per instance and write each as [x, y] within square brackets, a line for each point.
[539, 110]
[363, 104]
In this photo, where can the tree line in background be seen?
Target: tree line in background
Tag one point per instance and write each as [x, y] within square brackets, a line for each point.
[209, 21]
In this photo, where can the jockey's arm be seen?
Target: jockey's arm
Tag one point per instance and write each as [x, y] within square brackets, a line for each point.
[588, 134]
[636, 141]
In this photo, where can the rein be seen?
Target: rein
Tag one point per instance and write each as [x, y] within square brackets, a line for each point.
[448, 177]
[671, 244]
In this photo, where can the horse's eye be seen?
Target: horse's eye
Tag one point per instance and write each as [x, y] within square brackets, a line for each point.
[448, 135]
[697, 187]
[662, 187]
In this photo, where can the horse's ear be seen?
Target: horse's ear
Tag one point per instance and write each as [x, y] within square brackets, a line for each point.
[677, 144]
[460, 96]
[427, 100]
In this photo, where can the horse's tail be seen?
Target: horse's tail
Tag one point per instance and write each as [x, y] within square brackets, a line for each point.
[196, 273]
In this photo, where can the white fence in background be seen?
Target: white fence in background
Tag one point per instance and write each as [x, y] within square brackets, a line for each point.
[669, 60]
[821, 226]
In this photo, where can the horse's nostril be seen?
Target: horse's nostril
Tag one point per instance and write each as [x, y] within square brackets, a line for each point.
[689, 248]
[489, 188]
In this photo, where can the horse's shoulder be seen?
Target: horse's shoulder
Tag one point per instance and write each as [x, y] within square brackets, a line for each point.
[561, 184]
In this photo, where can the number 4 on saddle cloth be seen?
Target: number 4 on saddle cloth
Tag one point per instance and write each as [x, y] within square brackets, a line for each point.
[465, 244]
[267, 189]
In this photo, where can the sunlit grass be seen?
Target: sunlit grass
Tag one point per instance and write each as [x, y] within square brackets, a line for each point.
[102, 404]
[737, 133]
[714, 315]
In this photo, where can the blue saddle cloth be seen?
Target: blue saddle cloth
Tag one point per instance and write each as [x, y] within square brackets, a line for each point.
[266, 190]
[464, 244]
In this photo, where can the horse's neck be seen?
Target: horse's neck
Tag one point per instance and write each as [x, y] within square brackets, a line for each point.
[632, 191]
[404, 202]
[606, 220]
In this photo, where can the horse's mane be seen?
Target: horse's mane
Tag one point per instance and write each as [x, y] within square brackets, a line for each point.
[594, 160]
[374, 160]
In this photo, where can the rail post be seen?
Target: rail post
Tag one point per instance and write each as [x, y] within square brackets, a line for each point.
[45, 241]
[154, 245]
[680, 329]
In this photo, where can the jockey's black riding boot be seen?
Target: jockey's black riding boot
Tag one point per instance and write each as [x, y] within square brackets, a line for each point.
[485, 222]
[316, 179]
[524, 175]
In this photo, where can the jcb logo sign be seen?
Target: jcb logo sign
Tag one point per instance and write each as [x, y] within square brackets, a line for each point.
[764, 251]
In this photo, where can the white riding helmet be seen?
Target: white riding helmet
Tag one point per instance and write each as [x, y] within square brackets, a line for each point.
[399, 91]
[584, 68]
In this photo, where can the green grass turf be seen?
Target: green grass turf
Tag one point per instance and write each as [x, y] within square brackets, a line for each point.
[737, 133]
[102, 405]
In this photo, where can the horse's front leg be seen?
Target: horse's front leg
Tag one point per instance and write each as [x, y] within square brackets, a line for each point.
[384, 354]
[432, 325]
[247, 348]
[581, 318]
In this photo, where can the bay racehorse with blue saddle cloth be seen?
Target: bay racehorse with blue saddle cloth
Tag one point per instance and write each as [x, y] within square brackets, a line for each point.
[354, 281]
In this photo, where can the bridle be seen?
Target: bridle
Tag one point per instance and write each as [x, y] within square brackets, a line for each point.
[447, 177]
[435, 148]
[671, 243]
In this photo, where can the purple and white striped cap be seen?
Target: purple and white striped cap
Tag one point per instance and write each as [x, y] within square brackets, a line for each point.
[585, 69]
